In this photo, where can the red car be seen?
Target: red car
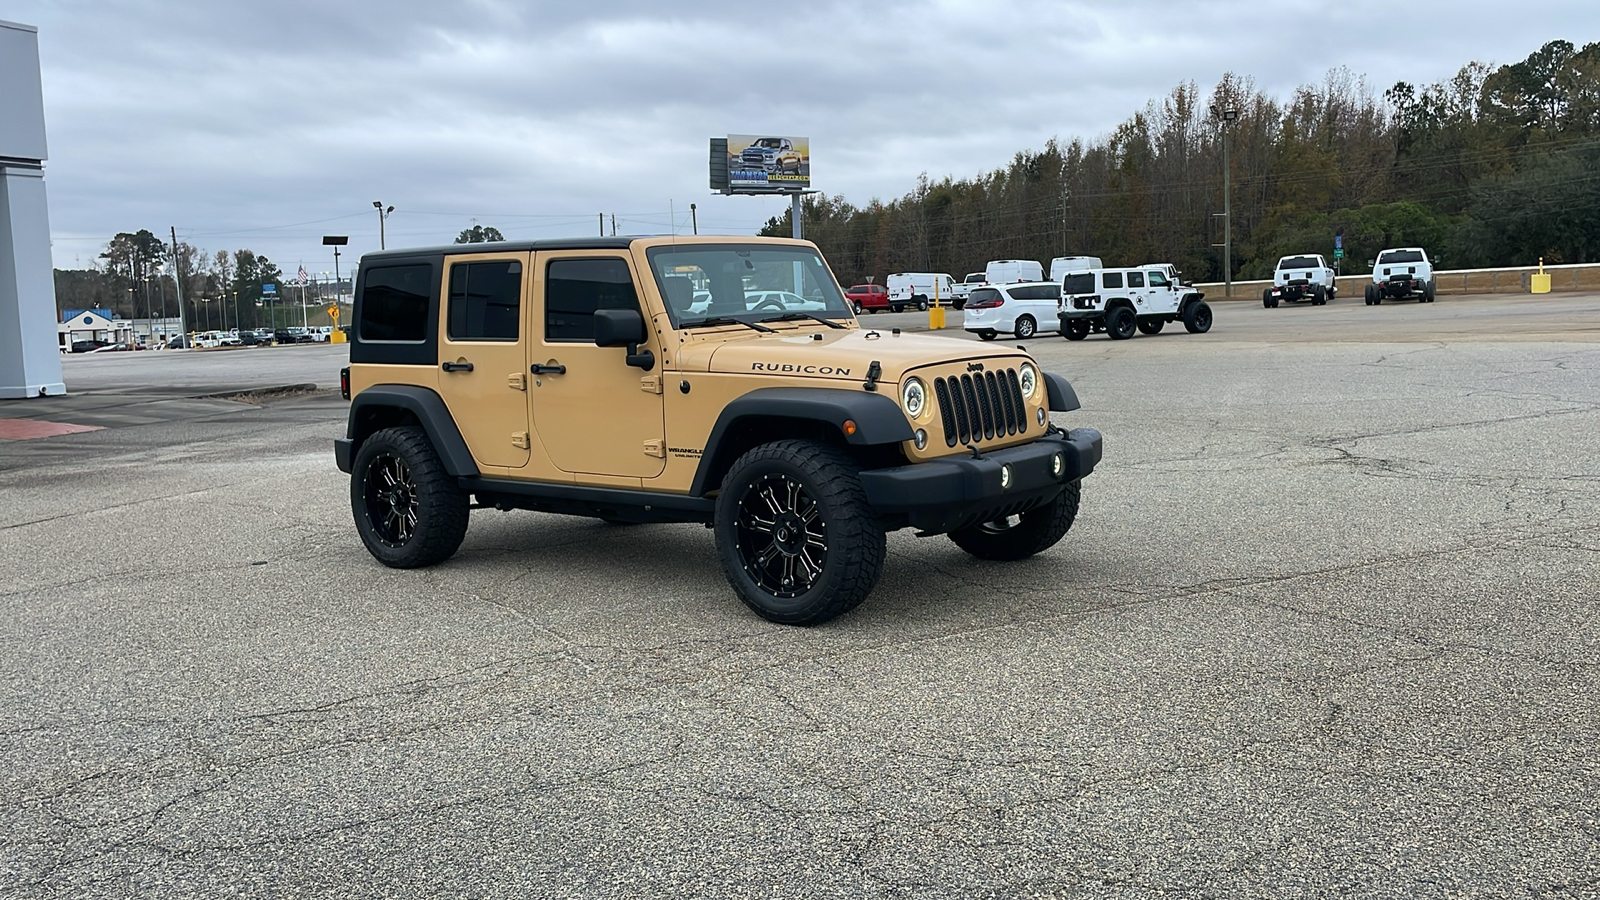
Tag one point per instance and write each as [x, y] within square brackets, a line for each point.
[868, 297]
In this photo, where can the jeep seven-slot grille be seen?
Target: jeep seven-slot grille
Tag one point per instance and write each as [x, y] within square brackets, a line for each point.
[980, 406]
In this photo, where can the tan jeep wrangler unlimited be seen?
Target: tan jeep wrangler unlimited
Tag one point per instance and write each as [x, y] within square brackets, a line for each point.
[716, 380]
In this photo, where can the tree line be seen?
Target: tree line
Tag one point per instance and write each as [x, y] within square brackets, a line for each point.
[1491, 167]
[138, 274]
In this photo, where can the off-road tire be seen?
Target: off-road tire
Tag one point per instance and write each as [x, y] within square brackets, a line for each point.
[1266, 298]
[1428, 293]
[1025, 327]
[1197, 317]
[1121, 323]
[409, 511]
[1075, 331]
[988, 335]
[1034, 531]
[851, 538]
[1151, 326]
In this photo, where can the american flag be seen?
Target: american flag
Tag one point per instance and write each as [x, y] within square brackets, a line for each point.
[303, 277]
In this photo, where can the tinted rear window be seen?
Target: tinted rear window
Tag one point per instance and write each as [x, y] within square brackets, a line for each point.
[485, 301]
[1078, 283]
[1298, 262]
[984, 295]
[1400, 256]
[394, 303]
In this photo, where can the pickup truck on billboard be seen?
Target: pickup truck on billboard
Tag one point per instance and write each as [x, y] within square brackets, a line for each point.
[766, 160]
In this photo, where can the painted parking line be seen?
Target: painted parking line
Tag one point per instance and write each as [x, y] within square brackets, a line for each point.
[23, 429]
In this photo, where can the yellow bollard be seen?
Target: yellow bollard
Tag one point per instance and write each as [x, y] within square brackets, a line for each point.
[935, 317]
[1540, 282]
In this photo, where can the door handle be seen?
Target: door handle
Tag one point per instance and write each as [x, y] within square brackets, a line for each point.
[456, 367]
[551, 369]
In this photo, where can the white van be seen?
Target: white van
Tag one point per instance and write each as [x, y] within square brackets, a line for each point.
[1005, 271]
[919, 289]
[1061, 265]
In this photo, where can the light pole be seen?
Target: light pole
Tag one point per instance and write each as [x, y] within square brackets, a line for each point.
[694, 220]
[1227, 116]
[382, 214]
[336, 241]
[236, 319]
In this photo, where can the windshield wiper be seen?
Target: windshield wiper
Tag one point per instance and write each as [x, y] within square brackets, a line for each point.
[723, 320]
[792, 316]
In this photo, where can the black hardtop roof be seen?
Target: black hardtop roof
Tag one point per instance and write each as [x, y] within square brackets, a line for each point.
[575, 243]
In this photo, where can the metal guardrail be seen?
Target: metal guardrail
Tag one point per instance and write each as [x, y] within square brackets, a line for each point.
[1511, 280]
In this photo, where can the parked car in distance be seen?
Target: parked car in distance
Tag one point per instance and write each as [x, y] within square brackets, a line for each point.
[228, 339]
[284, 336]
[1005, 271]
[1061, 265]
[1400, 273]
[961, 290]
[780, 301]
[87, 346]
[1304, 277]
[178, 342]
[1022, 309]
[251, 339]
[1120, 302]
[868, 297]
[322, 334]
[919, 289]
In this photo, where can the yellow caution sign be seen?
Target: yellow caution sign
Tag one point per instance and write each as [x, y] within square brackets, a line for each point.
[333, 313]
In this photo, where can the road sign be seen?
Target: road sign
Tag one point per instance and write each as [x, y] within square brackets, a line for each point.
[333, 313]
[1338, 242]
[1338, 253]
[269, 289]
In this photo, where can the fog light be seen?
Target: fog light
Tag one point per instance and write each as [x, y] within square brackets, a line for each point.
[1057, 464]
[921, 439]
[1005, 477]
[1040, 415]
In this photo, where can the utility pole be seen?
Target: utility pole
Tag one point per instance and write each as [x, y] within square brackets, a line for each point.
[602, 224]
[1227, 116]
[613, 224]
[177, 279]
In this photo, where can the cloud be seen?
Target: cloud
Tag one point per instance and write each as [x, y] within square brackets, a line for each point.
[267, 124]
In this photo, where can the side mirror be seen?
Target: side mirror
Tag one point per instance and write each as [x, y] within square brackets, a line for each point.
[624, 328]
[618, 327]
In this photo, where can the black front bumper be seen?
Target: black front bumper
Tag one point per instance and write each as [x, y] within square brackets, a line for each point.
[959, 491]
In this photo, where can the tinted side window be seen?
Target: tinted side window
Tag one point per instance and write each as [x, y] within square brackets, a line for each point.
[575, 288]
[1135, 279]
[485, 301]
[394, 304]
[1044, 292]
[1112, 279]
[1078, 283]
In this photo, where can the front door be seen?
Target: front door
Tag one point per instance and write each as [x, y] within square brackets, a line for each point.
[594, 413]
[1162, 297]
[483, 355]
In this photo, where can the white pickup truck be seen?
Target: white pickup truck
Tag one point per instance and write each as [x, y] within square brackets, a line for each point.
[961, 290]
[1399, 273]
[1304, 277]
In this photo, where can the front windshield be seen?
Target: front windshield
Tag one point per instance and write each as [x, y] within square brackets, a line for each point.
[744, 283]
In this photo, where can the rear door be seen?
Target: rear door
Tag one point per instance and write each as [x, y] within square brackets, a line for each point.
[483, 355]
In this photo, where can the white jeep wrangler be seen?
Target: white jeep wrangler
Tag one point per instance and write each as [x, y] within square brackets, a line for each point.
[1120, 301]
[1401, 273]
[1304, 277]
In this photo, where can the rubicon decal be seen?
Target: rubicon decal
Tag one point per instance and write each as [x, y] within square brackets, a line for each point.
[799, 370]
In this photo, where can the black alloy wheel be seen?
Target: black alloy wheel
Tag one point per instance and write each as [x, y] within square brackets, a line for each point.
[408, 510]
[1197, 317]
[1151, 325]
[796, 535]
[1120, 323]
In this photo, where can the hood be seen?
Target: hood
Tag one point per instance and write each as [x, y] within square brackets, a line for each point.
[845, 354]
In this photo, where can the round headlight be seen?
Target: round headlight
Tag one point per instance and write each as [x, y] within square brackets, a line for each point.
[914, 397]
[1029, 379]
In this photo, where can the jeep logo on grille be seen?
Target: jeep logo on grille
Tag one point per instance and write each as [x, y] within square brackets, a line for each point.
[974, 367]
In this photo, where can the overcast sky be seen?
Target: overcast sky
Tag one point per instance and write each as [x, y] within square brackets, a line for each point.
[268, 125]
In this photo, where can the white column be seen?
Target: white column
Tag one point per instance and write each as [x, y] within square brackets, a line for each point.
[30, 363]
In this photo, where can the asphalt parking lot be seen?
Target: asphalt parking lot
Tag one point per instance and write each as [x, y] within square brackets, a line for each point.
[1326, 625]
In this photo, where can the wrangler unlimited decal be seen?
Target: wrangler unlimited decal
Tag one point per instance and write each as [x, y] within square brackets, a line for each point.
[798, 370]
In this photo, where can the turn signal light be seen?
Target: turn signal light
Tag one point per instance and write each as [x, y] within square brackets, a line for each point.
[849, 426]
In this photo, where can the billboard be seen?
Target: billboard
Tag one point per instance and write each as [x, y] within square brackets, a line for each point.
[764, 163]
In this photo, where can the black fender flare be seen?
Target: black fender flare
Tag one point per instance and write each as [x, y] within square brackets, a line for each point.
[430, 411]
[1058, 391]
[879, 420]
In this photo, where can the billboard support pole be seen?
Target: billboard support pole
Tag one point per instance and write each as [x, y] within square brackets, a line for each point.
[794, 216]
